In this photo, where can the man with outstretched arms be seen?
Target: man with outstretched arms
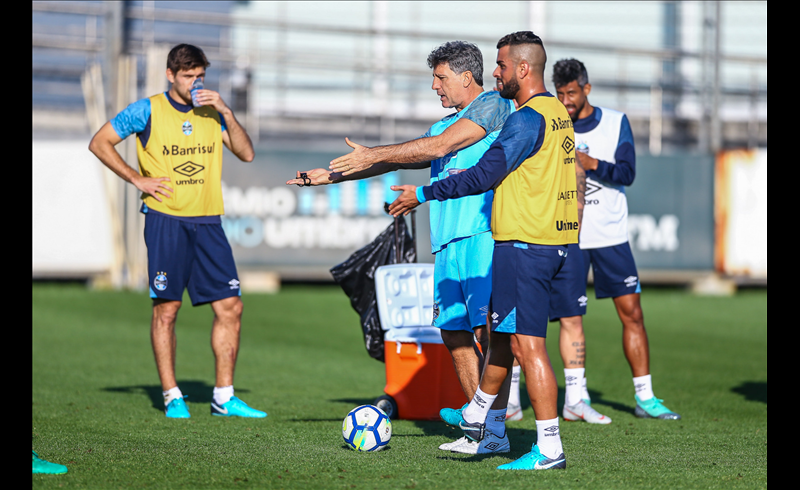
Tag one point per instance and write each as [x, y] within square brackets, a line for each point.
[179, 148]
[605, 148]
[461, 240]
[531, 167]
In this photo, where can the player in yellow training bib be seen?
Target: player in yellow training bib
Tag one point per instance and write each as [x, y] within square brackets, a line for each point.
[531, 167]
[179, 145]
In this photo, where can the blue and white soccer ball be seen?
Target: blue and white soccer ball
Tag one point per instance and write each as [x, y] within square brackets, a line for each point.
[367, 428]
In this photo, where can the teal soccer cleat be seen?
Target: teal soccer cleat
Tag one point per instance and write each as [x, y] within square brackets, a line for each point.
[452, 416]
[535, 460]
[654, 409]
[43, 467]
[177, 409]
[236, 408]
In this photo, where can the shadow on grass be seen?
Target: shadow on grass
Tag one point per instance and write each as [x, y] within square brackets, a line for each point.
[755, 391]
[194, 391]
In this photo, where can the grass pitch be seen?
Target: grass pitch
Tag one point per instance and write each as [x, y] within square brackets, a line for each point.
[97, 400]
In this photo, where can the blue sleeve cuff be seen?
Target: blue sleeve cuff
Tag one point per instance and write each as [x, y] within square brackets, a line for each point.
[421, 194]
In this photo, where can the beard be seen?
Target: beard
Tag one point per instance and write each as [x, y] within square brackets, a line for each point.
[578, 110]
[510, 89]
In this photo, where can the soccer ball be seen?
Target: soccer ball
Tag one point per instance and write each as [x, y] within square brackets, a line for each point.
[367, 428]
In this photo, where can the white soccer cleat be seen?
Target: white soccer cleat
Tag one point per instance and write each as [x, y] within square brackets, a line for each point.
[490, 444]
[514, 412]
[582, 411]
[450, 445]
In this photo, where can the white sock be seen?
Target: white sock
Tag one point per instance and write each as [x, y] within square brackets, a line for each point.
[584, 391]
[171, 394]
[513, 394]
[496, 422]
[479, 407]
[572, 379]
[548, 438]
[223, 394]
[644, 387]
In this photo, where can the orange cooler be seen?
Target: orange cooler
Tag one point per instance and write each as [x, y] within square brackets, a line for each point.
[420, 377]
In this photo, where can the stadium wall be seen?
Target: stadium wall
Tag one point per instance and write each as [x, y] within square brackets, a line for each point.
[680, 226]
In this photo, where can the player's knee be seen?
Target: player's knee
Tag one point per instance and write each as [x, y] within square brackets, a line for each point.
[456, 339]
[572, 325]
[165, 314]
[229, 310]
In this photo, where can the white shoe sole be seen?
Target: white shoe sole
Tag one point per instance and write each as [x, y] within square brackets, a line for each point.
[490, 444]
[447, 446]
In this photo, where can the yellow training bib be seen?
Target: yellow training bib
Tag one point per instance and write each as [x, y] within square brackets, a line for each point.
[187, 148]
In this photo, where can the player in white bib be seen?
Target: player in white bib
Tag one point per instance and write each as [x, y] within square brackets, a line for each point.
[604, 144]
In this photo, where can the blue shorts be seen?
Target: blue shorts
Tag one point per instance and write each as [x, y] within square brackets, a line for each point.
[183, 254]
[614, 270]
[462, 274]
[568, 297]
[522, 283]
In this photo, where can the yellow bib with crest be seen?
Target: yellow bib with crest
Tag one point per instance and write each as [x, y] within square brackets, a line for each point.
[186, 147]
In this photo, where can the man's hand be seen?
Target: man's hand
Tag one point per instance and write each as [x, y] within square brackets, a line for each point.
[587, 162]
[153, 186]
[211, 98]
[405, 202]
[353, 162]
[318, 176]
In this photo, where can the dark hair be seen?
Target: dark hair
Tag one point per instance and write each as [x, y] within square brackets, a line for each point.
[186, 57]
[567, 70]
[460, 56]
[520, 37]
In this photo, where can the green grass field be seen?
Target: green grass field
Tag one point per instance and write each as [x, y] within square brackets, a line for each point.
[97, 400]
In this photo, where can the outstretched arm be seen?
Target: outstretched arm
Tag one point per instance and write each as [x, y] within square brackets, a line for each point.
[461, 134]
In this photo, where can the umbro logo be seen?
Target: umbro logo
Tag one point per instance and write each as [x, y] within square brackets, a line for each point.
[234, 283]
[189, 168]
[570, 379]
[552, 431]
[631, 281]
[492, 446]
[568, 145]
[591, 188]
[582, 301]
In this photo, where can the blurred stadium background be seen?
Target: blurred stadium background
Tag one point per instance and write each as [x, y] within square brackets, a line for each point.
[692, 77]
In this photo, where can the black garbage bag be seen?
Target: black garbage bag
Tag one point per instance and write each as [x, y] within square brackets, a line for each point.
[356, 276]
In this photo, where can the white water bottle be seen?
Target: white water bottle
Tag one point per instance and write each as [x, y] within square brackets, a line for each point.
[196, 85]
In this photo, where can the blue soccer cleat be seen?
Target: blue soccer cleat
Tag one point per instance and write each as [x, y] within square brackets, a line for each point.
[474, 431]
[535, 460]
[43, 467]
[452, 416]
[177, 409]
[236, 408]
[654, 409]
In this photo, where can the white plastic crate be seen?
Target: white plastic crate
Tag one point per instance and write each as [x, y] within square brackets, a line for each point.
[404, 294]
